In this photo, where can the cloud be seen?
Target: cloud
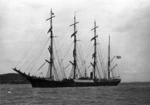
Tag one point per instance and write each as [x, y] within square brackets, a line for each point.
[134, 30]
[127, 21]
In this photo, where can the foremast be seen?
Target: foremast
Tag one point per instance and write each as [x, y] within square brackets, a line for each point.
[94, 64]
[51, 43]
[75, 48]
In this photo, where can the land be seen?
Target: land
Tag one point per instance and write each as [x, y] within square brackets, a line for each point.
[12, 78]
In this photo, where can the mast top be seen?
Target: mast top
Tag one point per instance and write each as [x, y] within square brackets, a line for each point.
[94, 26]
[109, 39]
[52, 15]
[74, 21]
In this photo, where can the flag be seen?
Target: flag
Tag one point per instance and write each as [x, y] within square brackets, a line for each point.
[52, 13]
[118, 57]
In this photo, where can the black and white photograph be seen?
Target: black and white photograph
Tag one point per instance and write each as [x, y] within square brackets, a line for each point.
[74, 52]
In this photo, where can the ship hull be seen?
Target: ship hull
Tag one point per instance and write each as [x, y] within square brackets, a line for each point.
[38, 82]
[70, 83]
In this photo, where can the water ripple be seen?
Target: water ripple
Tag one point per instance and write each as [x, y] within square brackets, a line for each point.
[124, 94]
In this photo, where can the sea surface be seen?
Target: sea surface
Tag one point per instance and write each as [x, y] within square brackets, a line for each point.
[123, 94]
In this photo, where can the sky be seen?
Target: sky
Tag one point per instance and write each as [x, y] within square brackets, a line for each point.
[127, 22]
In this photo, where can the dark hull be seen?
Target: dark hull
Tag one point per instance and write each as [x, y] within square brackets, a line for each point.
[45, 83]
[70, 83]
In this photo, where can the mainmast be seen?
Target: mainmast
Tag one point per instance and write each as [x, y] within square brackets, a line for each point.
[95, 51]
[109, 58]
[75, 49]
[51, 43]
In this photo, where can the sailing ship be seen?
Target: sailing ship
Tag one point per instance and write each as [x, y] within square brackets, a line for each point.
[75, 80]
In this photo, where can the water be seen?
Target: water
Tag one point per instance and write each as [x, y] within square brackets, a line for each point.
[124, 94]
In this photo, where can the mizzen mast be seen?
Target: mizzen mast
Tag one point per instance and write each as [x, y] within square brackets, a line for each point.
[94, 64]
[75, 45]
[109, 58]
[51, 43]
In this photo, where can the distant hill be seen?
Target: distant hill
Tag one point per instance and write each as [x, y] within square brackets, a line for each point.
[12, 78]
